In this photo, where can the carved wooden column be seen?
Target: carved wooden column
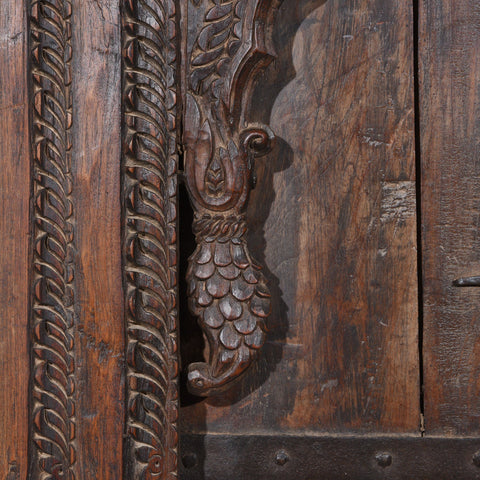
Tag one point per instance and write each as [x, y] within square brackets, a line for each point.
[149, 188]
[225, 46]
[52, 360]
[186, 81]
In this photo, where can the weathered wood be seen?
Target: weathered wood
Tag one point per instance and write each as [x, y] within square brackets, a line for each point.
[14, 232]
[334, 217]
[449, 58]
[99, 336]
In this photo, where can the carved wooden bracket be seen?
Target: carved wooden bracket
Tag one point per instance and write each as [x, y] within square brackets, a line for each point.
[226, 47]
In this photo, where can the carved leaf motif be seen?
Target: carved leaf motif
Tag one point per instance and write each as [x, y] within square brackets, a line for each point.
[216, 44]
[53, 366]
[149, 101]
[215, 178]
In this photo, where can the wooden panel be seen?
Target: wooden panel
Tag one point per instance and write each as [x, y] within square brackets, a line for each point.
[96, 193]
[334, 219]
[450, 130]
[14, 232]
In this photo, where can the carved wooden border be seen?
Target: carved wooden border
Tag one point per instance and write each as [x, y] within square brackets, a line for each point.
[52, 432]
[149, 192]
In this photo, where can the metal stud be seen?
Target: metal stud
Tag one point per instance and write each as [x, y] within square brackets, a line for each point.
[281, 458]
[189, 460]
[383, 459]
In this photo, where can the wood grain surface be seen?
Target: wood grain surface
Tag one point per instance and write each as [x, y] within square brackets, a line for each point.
[99, 295]
[449, 59]
[14, 232]
[333, 218]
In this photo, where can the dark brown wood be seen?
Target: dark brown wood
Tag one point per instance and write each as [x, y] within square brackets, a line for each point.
[53, 410]
[102, 102]
[14, 234]
[226, 45]
[333, 216]
[99, 314]
[449, 57]
[333, 457]
[149, 196]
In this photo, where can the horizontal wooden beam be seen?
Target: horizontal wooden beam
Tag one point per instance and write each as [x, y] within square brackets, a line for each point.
[290, 457]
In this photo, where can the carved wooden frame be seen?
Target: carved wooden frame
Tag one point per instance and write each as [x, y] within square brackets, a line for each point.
[206, 123]
[52, 388]
[149, 191]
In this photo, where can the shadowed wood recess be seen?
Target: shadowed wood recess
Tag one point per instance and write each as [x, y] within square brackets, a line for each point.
[449, 63]
[53, 366]
[333, 219]
[149, 189]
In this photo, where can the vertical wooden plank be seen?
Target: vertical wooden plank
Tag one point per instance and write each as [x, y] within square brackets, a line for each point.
[334, 218]
[99, 295]
[449, 58]
[14, 232]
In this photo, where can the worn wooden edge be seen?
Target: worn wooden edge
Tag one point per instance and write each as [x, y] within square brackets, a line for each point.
[52, 384]
[332, 457]
[149, 186]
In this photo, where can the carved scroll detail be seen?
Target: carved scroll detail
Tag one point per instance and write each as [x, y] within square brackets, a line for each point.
[53, 411]
[227, 291]
[149, 189]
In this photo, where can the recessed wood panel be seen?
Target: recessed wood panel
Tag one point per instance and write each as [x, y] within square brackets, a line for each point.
[14, 232]
[333, 217]
[449, 36]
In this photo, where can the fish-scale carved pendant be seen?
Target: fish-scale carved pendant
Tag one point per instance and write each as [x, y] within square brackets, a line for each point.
[227, 290]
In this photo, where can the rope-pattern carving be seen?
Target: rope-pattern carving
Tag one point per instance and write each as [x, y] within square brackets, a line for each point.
[53, 412]
[149, 260]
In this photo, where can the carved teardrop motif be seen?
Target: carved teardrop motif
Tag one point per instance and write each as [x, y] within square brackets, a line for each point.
[215, 177]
